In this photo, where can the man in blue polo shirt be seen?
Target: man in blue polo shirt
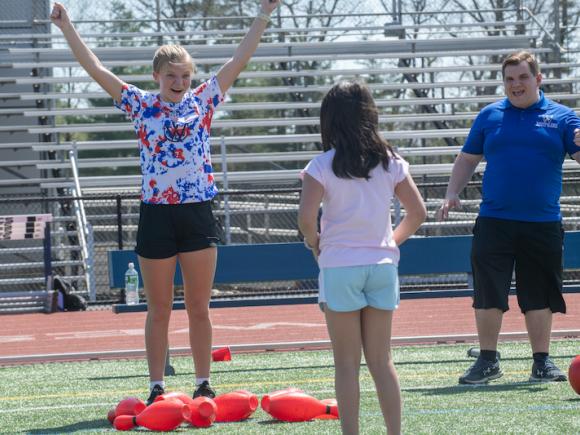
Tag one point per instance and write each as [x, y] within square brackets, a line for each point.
[524, 139]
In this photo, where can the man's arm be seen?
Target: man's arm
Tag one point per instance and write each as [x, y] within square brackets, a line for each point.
[463, 169]
[576, 156]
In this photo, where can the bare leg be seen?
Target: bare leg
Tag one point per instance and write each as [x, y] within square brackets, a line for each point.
[344, 329]
[198, 269]
[539, 325]
[488, 326]
[158, 285]
[376, 333]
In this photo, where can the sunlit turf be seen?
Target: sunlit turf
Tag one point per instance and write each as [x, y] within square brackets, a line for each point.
[75, 397]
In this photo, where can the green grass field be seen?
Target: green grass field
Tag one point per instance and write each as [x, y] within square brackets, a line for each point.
[75, 397]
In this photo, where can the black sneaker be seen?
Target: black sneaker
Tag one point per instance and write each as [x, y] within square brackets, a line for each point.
[205, 390]
[481, 372]
[157, 390]
[547, 371]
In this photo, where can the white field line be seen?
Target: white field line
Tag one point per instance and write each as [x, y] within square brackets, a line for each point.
[252, 347]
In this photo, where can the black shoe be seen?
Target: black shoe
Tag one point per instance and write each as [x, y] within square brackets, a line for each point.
[481, 372]
[546, 371]
[205, 390]
[157, 390]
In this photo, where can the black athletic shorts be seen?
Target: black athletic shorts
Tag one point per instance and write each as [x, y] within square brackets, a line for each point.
[534, 249]
[167, 229]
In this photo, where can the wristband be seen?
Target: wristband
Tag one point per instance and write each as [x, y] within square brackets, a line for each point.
[264, 17]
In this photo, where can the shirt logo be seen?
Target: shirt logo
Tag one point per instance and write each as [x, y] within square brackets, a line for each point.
[546, 121]
[175, 132]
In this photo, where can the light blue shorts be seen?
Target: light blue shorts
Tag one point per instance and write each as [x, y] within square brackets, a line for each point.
[352, 288]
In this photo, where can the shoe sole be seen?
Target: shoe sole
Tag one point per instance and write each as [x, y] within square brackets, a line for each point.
[481, 381]
[558, 379]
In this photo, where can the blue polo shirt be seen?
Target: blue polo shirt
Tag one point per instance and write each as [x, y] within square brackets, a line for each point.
[524, 150]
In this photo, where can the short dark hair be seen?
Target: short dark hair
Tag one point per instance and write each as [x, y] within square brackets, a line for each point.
[349, 123]
[519, 57]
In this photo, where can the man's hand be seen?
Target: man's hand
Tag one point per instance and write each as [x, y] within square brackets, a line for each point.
[449, 203]
[577, 137]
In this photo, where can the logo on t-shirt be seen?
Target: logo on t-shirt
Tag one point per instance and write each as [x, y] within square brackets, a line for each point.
[547, 121]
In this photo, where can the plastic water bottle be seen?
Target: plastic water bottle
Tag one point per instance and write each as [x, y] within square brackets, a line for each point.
[131, 285]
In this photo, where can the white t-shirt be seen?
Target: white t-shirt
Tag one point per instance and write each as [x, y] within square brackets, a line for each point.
[356, 224]
[174, 142]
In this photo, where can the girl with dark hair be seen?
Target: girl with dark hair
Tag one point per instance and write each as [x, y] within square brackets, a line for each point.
[356, 179]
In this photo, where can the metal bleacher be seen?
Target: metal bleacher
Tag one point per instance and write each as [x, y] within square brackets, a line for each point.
[63, 138]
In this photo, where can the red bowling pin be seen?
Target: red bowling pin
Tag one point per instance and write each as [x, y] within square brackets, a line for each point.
[265, 403]
[235, 406]
[130, 406]
[111, 415]
[175, 395]
[574, 374]
[334, 406]
[201, 412]
[163, 416]
[298, 407]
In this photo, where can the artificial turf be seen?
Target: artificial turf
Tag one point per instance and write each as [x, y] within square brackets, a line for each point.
[72, 397]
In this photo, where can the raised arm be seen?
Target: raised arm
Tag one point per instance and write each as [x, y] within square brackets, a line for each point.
[228, 73]
[463, 169]
[83, 54]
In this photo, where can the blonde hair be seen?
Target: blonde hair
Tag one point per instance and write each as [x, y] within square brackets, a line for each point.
[171, 53]
[518, 57]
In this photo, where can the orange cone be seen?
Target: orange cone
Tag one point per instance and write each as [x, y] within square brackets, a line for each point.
[235, 406]
[298, 407]
[163, 416]
[201, 412]
[221, 354]
[265, 403]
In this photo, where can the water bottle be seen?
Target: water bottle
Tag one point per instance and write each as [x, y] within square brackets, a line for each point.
[131, 285]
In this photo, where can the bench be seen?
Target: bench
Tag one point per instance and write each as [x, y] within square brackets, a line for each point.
[26, 227]
[292, 261]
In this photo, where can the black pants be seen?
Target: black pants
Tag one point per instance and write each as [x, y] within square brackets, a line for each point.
[534, 249]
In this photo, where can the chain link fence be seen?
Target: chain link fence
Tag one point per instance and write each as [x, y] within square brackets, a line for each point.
[245, 217]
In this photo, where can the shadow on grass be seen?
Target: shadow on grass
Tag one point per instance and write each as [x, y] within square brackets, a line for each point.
[470, 360]
[274, 422]
[73, 427]
[214, 371]
[462, 389]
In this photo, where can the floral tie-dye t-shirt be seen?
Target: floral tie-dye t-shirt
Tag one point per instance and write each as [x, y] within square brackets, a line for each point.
[174, 142]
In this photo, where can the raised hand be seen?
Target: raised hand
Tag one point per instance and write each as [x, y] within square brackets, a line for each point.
[269, 5]
[59, 16]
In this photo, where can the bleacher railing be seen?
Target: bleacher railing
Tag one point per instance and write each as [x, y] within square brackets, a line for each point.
[84, 228]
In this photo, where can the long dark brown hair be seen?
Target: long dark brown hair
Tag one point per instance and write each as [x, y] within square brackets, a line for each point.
[349, 123]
